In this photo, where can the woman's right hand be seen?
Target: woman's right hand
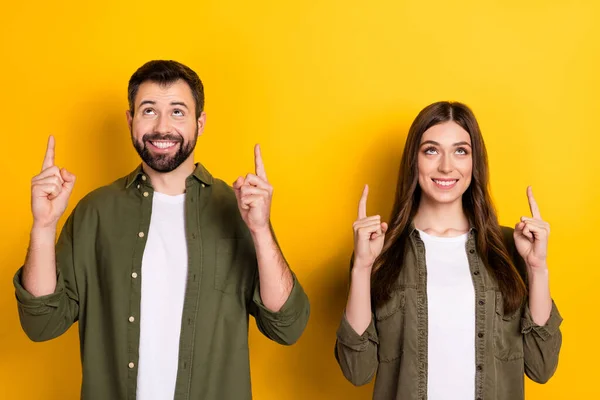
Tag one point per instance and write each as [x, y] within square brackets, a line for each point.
[369, 235]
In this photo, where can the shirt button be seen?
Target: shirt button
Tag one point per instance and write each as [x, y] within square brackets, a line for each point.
[476, 273]
[143, 177]
[134, 275]
[472, 251]
[203, 185]
[481, 302]
[131, 319]
[141, 234]
[479, 367]
[138, 186]
[145, 194]
[131, 365]
[480, 335]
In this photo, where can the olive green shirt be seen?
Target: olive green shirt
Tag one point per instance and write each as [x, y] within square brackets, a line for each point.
[99, 272]
[394, 346]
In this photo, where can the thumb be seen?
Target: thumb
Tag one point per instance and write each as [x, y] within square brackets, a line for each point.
[384, 227]
[239, 182]
[68, 178]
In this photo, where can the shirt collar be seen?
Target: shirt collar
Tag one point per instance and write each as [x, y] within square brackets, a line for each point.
[412, 229]
[200, 173]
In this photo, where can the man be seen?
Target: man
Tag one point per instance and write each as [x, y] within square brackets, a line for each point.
[162, 267]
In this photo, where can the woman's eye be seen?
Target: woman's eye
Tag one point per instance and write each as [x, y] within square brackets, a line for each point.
[461, 151]
[431, 151]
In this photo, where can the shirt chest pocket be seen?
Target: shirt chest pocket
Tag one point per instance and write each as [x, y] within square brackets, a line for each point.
[508, 339]
[390, 323]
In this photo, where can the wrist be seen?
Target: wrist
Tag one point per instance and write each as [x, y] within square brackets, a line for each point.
[262, 234]
[541, 269]
[41, 230]
[538, 274]
[41, 237]
[360, 265]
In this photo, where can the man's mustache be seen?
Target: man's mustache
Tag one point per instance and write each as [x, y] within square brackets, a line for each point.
[158, 136]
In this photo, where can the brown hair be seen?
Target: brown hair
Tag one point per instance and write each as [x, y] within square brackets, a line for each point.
[166, 72]
[477, 205]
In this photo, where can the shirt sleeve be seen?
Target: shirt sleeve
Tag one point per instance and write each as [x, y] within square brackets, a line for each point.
[357, 354]
[541, 345]
[47, 317]
[286, 325]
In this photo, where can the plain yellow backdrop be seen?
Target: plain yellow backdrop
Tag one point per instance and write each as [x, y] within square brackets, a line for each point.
[329, 89]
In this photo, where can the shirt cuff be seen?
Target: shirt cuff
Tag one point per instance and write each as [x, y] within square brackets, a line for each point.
[37, 305]
[548, 330]
[293, 307]
[350, 338]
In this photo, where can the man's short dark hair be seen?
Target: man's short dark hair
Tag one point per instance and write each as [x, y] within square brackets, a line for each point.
[166, 72]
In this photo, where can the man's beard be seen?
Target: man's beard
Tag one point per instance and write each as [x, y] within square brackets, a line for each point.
[164, 162]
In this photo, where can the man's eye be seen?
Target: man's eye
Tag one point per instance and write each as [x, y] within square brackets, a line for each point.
[148, 111]
[178, 113]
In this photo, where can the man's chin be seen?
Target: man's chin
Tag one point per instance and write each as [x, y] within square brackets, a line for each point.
[162, 165]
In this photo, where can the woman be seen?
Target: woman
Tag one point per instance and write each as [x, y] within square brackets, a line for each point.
[445, 303]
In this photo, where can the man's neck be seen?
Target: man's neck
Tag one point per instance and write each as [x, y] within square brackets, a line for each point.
[170, 183]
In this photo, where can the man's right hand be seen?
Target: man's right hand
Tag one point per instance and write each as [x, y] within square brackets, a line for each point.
[50, 191]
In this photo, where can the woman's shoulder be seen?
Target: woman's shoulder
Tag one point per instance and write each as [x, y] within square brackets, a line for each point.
[507, 236]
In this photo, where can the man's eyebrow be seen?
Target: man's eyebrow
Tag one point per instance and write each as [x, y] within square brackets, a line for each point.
[147, 102]
[179, 103]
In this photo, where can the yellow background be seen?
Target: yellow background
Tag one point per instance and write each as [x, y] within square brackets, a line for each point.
[329, 88]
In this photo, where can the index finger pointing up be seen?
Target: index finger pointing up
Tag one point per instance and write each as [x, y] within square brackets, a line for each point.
[259, 167]
[49, 157]
[535, 210]
[362, 204]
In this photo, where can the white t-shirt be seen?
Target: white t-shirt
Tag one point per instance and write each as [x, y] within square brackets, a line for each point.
[164, 276]
[451, 319]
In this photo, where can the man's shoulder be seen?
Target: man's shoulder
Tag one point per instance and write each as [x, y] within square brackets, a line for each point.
[222, 191]
[104, 195]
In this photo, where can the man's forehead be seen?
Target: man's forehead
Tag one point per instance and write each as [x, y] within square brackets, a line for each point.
[156, 91]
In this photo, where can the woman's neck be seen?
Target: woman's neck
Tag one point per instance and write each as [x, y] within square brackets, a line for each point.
[441, 219]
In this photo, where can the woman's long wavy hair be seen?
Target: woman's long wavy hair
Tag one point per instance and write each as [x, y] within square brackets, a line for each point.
[477, 205]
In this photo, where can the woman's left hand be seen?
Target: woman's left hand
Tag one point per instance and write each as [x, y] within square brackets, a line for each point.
[531, 236]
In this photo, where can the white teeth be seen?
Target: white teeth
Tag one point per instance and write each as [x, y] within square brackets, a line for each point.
[445, 183]
[163, 145]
